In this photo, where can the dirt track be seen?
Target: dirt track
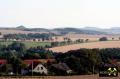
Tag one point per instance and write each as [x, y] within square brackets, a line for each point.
[104, 44]
[68, 77]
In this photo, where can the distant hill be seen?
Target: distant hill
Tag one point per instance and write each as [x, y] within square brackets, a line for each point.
[60, 31]
[113, 30]
[37, 29]
[85, 30]
[77, 31]
[21, 27]
[92, 28]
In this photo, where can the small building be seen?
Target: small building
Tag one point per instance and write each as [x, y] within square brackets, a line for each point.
[61, 69]
[34, 65]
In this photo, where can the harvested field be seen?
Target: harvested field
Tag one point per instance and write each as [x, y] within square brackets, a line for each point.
[65, 77]
[90, 45]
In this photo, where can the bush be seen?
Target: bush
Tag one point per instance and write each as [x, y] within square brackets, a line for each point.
[103, 39]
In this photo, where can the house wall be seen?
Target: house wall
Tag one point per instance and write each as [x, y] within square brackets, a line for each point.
[40, 69]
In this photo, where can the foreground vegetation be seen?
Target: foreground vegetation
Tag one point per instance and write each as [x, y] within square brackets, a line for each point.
[82, 61]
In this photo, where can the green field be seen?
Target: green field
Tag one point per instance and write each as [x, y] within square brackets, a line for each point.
[27, 44]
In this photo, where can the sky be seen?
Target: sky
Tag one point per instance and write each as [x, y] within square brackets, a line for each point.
[60, 13]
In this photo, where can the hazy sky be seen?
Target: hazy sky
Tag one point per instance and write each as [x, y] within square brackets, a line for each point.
[60, 13]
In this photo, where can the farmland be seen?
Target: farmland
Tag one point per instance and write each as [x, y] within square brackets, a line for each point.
[91, 37]
[89, 44]
[103, 44]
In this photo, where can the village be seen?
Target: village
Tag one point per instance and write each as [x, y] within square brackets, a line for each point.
[16, 59]
[36, 67]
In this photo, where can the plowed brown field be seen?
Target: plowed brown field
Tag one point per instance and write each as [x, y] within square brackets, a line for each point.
[90, 45]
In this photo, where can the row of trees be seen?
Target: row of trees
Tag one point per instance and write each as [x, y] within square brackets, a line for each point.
[68, 41]
[43, 36]
[106, 39]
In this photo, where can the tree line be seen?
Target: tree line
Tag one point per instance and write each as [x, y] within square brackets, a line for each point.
[28, 36]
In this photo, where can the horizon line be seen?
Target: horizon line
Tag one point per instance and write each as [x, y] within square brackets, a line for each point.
[60, 27]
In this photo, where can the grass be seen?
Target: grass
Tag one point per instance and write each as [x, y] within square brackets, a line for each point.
[27, 44]
[5, 42]
[34, 44]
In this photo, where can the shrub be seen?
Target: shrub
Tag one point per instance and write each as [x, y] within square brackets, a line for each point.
[103, 39]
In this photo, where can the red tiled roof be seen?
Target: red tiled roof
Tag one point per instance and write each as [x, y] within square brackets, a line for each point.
[34, 65]
[29, 61]
[3, 61]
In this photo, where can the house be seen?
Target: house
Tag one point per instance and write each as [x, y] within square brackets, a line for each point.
[60, 68]
[34, 65]
[37, 68]
[40, 69]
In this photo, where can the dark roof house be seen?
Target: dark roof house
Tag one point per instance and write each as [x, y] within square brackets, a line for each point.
[60, 69]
